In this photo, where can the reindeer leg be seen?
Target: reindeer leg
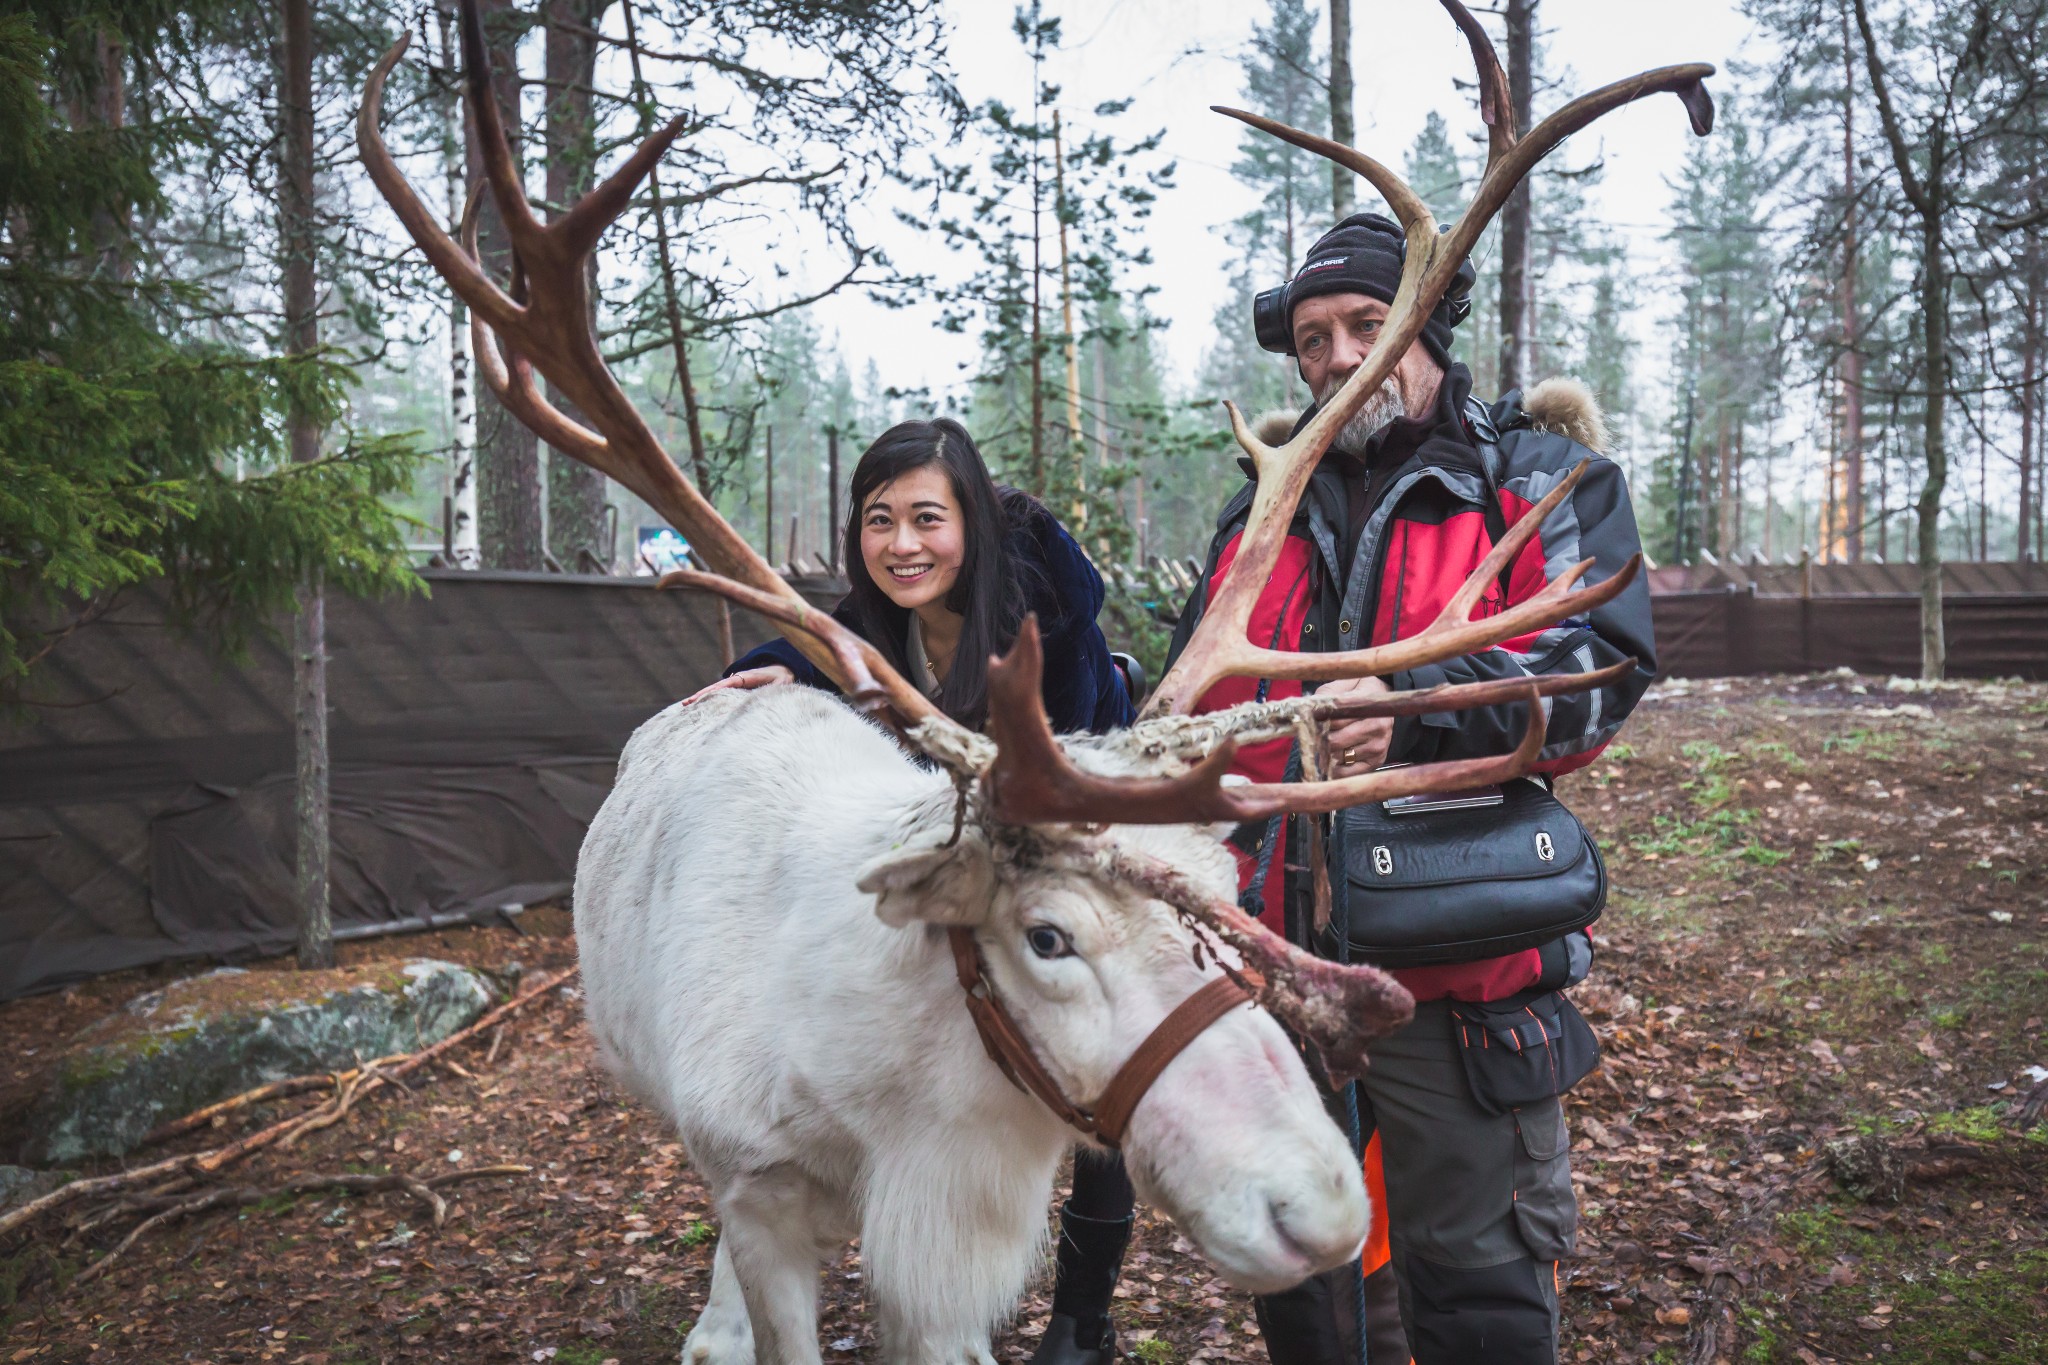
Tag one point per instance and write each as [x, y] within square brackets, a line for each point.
[948, 1245]
[723, 1335]
[769, 1240]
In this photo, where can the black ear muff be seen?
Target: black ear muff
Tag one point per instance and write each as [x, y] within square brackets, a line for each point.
[1269, 320]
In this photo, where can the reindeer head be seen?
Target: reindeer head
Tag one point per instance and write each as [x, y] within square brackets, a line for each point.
[1079, 875]
[1230, 1139]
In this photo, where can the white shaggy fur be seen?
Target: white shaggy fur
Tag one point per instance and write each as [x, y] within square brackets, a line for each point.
[759, 909]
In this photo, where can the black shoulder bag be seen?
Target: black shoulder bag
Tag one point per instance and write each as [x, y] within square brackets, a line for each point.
[1468, 876]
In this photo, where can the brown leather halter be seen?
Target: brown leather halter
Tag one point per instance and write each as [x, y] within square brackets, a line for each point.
[1009, 1050]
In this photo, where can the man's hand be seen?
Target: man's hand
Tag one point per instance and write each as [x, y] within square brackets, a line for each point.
[770, 676]
[1358, 746]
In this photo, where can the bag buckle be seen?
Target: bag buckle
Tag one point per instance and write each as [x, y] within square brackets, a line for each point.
[1545, 848]
[1383, 860]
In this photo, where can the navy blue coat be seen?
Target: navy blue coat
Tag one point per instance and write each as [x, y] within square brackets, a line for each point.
[1083, 689]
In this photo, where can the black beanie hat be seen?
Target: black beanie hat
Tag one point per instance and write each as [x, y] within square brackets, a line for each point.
[1362, 255]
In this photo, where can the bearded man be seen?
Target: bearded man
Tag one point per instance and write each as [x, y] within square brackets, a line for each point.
[1473, 1208]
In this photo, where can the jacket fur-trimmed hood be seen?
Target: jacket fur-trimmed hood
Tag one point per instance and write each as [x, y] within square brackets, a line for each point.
[1566, 407]
[1561, 406]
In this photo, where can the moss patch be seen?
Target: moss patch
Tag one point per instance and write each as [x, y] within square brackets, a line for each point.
[175, 1050]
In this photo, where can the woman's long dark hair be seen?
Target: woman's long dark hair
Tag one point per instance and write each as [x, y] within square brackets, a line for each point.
[989, 594]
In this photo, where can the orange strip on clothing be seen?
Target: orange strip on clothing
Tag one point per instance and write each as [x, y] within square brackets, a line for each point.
[1378, 1253]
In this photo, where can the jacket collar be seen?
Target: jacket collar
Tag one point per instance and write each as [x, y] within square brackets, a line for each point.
[1442, 440]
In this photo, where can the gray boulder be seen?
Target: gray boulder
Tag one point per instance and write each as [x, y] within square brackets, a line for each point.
[206, 1038]
[19, 1184]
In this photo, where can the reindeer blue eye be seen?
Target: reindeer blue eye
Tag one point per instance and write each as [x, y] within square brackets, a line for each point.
[1048, 942]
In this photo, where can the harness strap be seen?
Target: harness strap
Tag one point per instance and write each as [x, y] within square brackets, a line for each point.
[1188, 1021]
[1012, 1053]
[1006, 1044]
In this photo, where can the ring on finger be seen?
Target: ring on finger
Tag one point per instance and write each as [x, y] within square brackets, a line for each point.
[1350, 756]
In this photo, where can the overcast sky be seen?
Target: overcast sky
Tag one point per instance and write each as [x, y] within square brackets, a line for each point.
[1175, 58]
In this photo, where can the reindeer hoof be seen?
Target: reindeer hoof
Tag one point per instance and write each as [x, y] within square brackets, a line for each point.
[720, 1339]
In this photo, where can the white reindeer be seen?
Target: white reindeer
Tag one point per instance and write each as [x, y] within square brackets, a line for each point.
[795, 1011]
[881, 999]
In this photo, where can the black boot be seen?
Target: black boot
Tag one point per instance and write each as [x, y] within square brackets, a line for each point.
[1314, 1323]
[1064, 1342]
[1091, 1256]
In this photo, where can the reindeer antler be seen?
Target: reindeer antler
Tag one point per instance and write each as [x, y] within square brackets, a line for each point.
[1220, 647]
[1032, 784]
[543, 322]
[1033, 781]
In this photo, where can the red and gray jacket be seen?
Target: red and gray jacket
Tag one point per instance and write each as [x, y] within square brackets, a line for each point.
[1425, 527]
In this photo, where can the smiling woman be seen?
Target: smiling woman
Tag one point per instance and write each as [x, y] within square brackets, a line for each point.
[942, 567]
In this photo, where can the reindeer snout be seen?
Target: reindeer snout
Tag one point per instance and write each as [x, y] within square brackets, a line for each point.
[1326, 1224]
[1269, 1200]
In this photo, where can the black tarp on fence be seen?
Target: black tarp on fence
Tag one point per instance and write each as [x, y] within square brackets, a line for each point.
[145, 802]
[145, 809]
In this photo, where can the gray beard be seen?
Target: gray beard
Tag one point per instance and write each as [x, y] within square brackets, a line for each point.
[1381, 410]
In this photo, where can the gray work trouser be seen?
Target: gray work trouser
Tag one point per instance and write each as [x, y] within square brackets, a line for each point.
[1479, 1206]
[1479, 1212]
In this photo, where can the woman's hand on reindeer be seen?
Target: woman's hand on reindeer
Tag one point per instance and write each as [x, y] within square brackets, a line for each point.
[1358, 746]
[770, 676]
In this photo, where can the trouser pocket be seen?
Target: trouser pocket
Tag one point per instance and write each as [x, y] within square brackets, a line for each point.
[1493, 1315]
[1546, 1213]
[1526, 1048]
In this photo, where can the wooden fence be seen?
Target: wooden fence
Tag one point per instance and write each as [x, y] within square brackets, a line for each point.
[1736, 633]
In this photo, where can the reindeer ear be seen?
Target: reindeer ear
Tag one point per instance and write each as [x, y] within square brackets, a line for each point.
[930, 880]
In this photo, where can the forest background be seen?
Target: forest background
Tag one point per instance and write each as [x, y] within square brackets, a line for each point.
[223, 364]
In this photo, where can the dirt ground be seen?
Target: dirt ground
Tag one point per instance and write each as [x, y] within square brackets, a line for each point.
[1822, 978]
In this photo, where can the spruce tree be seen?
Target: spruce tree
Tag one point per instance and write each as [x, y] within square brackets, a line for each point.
[136, 444]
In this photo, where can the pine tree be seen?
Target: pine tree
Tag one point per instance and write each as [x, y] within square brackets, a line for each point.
[1282, 80]
[788, 137]
[1026, 204]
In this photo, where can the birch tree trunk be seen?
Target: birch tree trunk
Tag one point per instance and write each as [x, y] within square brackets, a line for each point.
[462, 535]
[309, 630]
[1934, 302]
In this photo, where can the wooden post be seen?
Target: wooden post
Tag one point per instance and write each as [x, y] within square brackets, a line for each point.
[1075, 444]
